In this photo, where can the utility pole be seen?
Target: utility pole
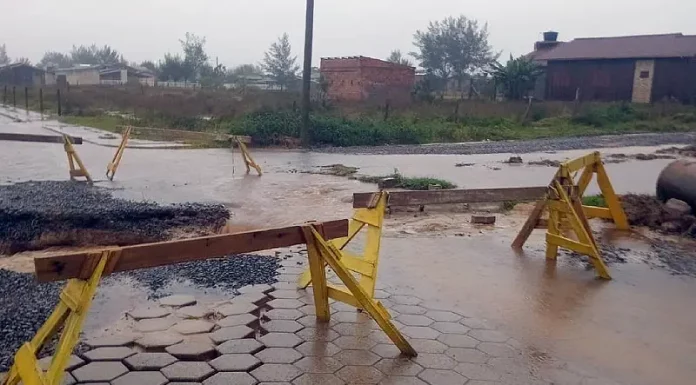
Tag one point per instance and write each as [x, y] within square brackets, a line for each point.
[307, 73]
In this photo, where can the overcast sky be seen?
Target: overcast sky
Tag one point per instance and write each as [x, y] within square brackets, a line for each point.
[239, 31]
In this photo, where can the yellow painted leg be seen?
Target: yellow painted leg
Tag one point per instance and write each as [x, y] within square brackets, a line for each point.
[554, 219]
[248, 160]
[610, 197]
[529, 224]
[318, 271]
[113, 165]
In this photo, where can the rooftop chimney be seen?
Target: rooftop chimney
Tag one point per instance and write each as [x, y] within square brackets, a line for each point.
[550, 36]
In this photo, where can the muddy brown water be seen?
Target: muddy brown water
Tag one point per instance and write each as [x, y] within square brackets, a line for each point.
[636, 329]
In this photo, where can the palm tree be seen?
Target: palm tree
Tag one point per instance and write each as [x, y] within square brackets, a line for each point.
[516, 77]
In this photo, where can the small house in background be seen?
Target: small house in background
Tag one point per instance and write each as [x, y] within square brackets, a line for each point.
[105, 74]
[25, 75]
[640, 69]
[361, 78]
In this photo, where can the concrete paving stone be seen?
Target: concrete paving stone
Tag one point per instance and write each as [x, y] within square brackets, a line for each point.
[515, 344]
[405, 299]
[230, 378]
[443, 316]
[496, 349]
[102, 371]
[178, 300]
[481, 372]
[318, 379]
[281, 340]
[475, 323]
[193, 327]
[68, 379]
[286, 294]
[278, 355]
[275, 383]
[111, 341]
[237, 320]
[307, 299]
[141, 378]
[154, 324]
[442, 377]
[401, 366]
[402, 380]
[457, 340]
[231, 333]
[318, 348]
[386, 350]
[284, 303]
[360, 375]
[428, 346]
[420, 332]
[287, 277]
[282, 326]
[188, 371]
[291, 270]
[309, 310]
[235, 363]
[184, 383]
[240, 346]
[488, 335]
[148, 312]
[236, 308]
[511, 366]
[435, 361]
[283, 314]
[409, 309]
[317, 364]
[284, 286]
[200, 339]
[109, 354]
[480, 382]
[276, 372]
[415, 320]
[73, 363]
[149, 361]
[194, 312]
[381, 294]
[357, 357]
[192, 351]
[379, 336]
[254, 298]
[262, 288]
[351, 329]
[355, 343]
[159, 340]
[469, 355]
[352, 316]
[450, 327]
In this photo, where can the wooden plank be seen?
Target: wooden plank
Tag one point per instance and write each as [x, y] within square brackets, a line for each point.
[433, 197]
[193, 134]
[9, 136]
[65, 266]
[530, 224]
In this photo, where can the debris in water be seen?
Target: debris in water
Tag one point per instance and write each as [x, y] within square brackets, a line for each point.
[545, 162]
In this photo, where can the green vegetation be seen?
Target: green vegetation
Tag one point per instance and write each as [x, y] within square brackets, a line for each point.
[594, 200]
[417, 183]
[509, 205]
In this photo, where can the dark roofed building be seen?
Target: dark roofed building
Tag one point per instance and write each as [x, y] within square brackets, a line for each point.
[25, 75]
[640, 69]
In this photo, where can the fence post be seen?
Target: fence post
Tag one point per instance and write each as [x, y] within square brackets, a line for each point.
[4, 95]
[41, 101]
[26, 100]
[58, 97]
[14, 96]
[386, 110]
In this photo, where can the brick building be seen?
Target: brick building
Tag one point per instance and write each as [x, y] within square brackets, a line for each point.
[363, 78]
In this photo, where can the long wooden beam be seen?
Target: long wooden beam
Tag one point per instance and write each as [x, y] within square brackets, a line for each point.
[37, 138]
[79, 265]
[434, 197]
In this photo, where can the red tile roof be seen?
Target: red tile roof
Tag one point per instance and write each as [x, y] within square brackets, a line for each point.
[624, 47]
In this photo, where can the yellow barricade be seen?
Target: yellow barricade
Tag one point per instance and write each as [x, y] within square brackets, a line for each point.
[113, 165]
[73, 158]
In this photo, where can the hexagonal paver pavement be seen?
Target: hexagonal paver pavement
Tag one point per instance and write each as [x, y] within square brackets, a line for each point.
[111, 341]
[240, 346]
[318, 379]
[193, 327]
[316, 364]
[68, 379]
[496, 349]
[356, 343]
[276, 373]
[282, 326]
[415, 320]
[262, 288]
[409, 309]
[237, 320]
[178, 300]
[187, 371]
[230, 378]
[235, 363]
[283, 303]
[457, 340]
[470, 355]
[398, 367]
[154, 324]
[194, 312]
[428, 346]
[353, 329]
[192, 351]
[286, 294]
[280, 340]
[251, 298]
[420, 332]
[405, 299]
[450, 327]
[278, 355]
[360, 375]
[317, 334]
[73, 363]
[443, 316]
[283, 314]
[231, 333]
[435, 361]
[109, 354]
[141, 378]
[159, 340]
[149, 361]
[474, 323]
[386, 350]
[356, 357]
[318, 348]
[488, 335]
[236, 308]
[477, 372]
[351, 316]
[442, 377]
[404, 380]
[103, 371]
[149, 312]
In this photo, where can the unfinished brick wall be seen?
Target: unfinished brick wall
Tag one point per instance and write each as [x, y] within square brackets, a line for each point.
[362, 78]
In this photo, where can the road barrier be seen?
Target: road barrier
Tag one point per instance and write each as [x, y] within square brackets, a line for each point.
[113, 165]
[73, 158]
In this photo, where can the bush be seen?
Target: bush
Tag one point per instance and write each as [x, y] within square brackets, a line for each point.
[605, 115]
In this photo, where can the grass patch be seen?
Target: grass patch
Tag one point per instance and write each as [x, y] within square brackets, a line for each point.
[594, 200]
[509, 205]
[408, 183]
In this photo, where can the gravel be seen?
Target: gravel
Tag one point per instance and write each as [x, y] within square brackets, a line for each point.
[36, 215]
[523, 146]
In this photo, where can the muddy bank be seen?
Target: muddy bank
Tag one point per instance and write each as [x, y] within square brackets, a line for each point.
[671, 218]
[689, 151]
[36, 215]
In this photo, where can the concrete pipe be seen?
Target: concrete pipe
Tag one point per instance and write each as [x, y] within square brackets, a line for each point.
[678, 181]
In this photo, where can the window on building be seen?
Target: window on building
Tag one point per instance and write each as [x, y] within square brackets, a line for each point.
[644, 74]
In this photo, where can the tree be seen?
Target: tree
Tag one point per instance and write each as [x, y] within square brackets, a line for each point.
[517, 77]
[246, 70]
[454, 47]
[23, 60]
[194, 54]
[4, 59]
[213, 76]
[173, 68]
[149, 65]
[56, 60]
[398, 58]
[94, 55]
[279, 63]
